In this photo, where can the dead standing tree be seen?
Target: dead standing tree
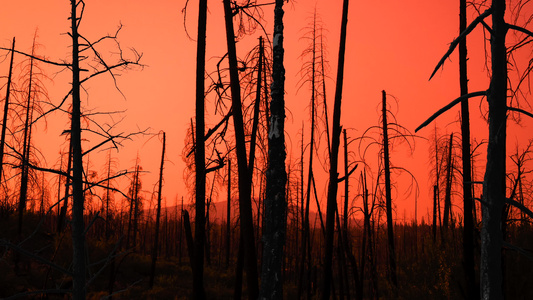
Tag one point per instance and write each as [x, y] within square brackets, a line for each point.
[81, 49]
[334, 153]
[6, 109]
[199, 157]
[275, 202]
[472, 290]
[494, 190]
[389, 132]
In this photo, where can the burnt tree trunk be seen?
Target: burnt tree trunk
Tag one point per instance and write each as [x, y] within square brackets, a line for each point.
[6, 109]
[334, 153]
[494, 181]
[78, 226]
[448, 194]
[388, 195]
[275, 201]
[199, 156]
[158, 216]
[245, 202]
[26, 143]
[228, 217]
[472, 291]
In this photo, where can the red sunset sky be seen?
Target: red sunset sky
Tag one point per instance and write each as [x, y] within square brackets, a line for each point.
[392, 45]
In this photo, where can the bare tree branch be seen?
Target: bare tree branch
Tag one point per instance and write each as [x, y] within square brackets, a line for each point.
[461, 37]
[519, 110]
[521, 29]
[450, 105]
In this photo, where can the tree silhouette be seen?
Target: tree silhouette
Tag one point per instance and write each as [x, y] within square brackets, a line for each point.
[6, 109]
[274, 231]
[494, 180]
[334, 152]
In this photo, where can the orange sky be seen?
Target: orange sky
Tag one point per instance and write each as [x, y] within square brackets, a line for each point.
[392, 45]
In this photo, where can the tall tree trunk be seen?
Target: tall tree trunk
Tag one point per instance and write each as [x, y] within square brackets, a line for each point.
[334, 153]
[26, 142]
[6, 109]
[434, 226]
[346, 238]
[135, 202]
[245, 203]
[228, 217]
[472, 291]
[63, 213]
[275, 202]
[448, 195]
[158, 215]
[107, 200]
[388, 195]
[494, 181]
[78, 226]
[199, 156]
[305, 232]
[253, 139]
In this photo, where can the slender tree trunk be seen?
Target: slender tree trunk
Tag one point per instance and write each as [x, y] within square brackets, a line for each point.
[64, 207]
[434, 226]
[78, 226]
[494, 181]
[158, 215]
[199, 156]
[6, 109]
[253, 139]
[472, 291]
[333, 175]
[275, 202]
[448, 194]
[390, 221]
[107, 200]
[245, 205]
[346, 238]
[188, 237]
[305, 232]
[135, 202]
[26, 142]
[228, 217]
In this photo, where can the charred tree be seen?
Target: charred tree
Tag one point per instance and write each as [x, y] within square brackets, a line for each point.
[6, 109]
[448, 194]
[26, 142]
[78, 226]
[388, 195]
[158, 216]
[334, 153]
[199, 156]
[472, 291]
[228, 217]
[494, 180]
[275, 202]
[245, 202]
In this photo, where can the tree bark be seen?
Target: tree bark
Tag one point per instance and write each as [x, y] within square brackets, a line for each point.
[275, 201]
[494, 181]
[333, 175]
